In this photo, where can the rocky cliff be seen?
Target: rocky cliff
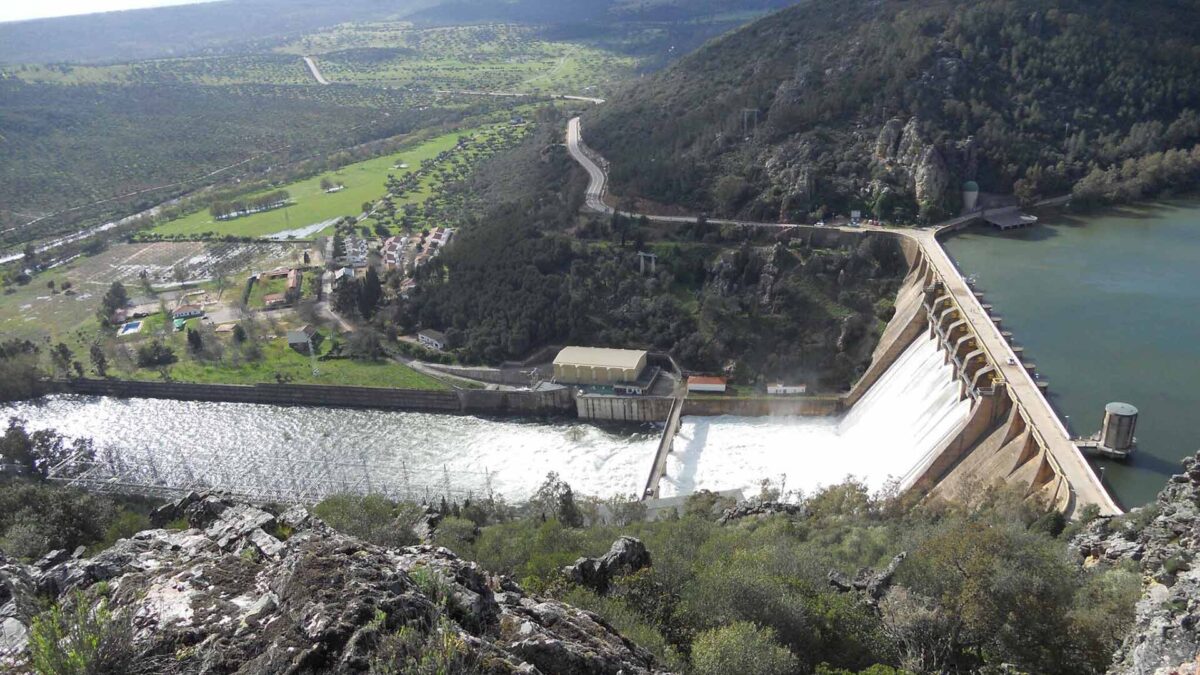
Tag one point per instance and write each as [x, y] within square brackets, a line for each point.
[1163, 540]
[243, 590]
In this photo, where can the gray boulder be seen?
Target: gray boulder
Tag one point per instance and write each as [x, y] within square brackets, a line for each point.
[758, 509]
[18, 605]
[626, 556]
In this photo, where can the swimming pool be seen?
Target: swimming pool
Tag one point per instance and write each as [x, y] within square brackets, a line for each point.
[131, 327]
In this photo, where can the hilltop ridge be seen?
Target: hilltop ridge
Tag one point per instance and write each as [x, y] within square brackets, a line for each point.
[890, 106]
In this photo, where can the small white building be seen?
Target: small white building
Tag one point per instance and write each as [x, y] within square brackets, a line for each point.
[432, 339]
[705, 383]
[187, 312]
[786, 389]
[342, 275]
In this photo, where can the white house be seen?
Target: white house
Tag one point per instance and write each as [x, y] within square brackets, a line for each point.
[432, 339]
[187, 312]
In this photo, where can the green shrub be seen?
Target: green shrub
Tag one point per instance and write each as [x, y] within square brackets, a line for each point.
[456, 534]
[85, 639]
[741, 647]
[37, 518]
[629, 622]
[373, 518]
[124, 525]
[409, 651]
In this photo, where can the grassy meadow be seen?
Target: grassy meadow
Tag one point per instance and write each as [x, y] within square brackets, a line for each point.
[282, 362]
[363, 181]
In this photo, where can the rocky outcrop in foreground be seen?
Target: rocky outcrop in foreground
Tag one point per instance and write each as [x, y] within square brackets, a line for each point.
[247, 591]
[1163, 539]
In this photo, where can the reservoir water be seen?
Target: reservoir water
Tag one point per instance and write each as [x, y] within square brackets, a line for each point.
[1108, 307]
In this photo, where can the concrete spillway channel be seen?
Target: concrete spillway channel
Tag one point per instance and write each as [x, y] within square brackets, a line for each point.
[664, 447]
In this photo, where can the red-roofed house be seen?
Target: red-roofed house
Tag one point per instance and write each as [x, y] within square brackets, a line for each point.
[706, 383]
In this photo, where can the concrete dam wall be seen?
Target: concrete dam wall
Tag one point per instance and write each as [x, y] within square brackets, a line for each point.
[1002, 430]
[998, 442]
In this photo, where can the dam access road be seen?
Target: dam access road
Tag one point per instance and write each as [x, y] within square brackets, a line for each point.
[1047, 430]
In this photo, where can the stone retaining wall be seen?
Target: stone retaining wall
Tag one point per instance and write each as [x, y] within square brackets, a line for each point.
[556, 402]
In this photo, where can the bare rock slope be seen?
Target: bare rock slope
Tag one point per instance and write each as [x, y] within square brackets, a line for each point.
[1163, 540]
[245, 591]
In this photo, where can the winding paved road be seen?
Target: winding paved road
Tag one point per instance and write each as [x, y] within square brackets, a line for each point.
[316, 72]
[1085, 485]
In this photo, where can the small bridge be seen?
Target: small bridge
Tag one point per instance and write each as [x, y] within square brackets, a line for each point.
[665, 444]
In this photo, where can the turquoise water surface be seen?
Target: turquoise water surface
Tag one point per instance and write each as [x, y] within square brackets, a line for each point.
[1108, 306]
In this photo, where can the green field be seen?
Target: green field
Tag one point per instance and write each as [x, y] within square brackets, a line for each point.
[280, 360]
[264, 287]
[364, 182]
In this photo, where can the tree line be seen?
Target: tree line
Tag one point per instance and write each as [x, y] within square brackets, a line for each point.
[246, 206]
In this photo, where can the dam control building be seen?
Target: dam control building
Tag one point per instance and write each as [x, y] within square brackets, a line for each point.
[599, 366]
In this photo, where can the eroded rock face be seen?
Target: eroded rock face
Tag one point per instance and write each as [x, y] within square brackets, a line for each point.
[903, 155]
[626, 556]
[18, 604]
[1164, 542]
[231, 594]
[931, 177]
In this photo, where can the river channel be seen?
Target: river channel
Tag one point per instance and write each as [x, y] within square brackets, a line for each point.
[1108, 307]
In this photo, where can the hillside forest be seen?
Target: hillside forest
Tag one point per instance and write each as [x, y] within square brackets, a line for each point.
[792, 306]
[890, 107]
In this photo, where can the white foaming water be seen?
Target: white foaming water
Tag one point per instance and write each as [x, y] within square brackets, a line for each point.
[274, 451]
[889, 434]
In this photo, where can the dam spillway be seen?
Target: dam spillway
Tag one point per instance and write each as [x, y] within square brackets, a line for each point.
[907, 415]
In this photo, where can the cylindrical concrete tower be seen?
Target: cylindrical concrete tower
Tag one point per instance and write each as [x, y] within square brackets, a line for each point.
[1120, 420]
[970, 196]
